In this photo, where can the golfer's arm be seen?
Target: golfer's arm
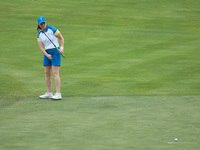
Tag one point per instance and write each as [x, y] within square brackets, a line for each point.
[61, 39]
[42, 48]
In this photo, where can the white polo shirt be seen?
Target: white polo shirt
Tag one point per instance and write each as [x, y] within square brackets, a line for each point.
[51, 32]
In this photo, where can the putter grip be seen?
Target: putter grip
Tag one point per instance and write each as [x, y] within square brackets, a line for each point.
[61, 54]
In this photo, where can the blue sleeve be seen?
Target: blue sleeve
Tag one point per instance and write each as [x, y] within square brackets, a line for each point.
[53, 29]
[38, 35]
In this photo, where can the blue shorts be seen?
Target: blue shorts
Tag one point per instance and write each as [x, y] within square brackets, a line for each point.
[56, 61]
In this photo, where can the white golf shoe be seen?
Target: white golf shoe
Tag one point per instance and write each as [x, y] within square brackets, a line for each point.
[46, 95]
[57, 96]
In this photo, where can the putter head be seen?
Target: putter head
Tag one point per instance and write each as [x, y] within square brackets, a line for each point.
[39, 30]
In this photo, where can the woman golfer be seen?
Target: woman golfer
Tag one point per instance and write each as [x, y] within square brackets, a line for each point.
[52, 57]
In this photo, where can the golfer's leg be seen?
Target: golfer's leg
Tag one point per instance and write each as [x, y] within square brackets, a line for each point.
[48, 77]
[57, 77]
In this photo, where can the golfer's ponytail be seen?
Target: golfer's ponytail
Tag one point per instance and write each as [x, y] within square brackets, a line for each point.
[38, 27]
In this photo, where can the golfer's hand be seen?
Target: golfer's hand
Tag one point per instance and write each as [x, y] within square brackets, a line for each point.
[61, 51]
[49, 56]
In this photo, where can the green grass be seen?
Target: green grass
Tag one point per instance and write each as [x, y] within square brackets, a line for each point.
[130, 79]
[109, 123]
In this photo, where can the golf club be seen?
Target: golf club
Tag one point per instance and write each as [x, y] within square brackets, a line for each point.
[40, 30]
